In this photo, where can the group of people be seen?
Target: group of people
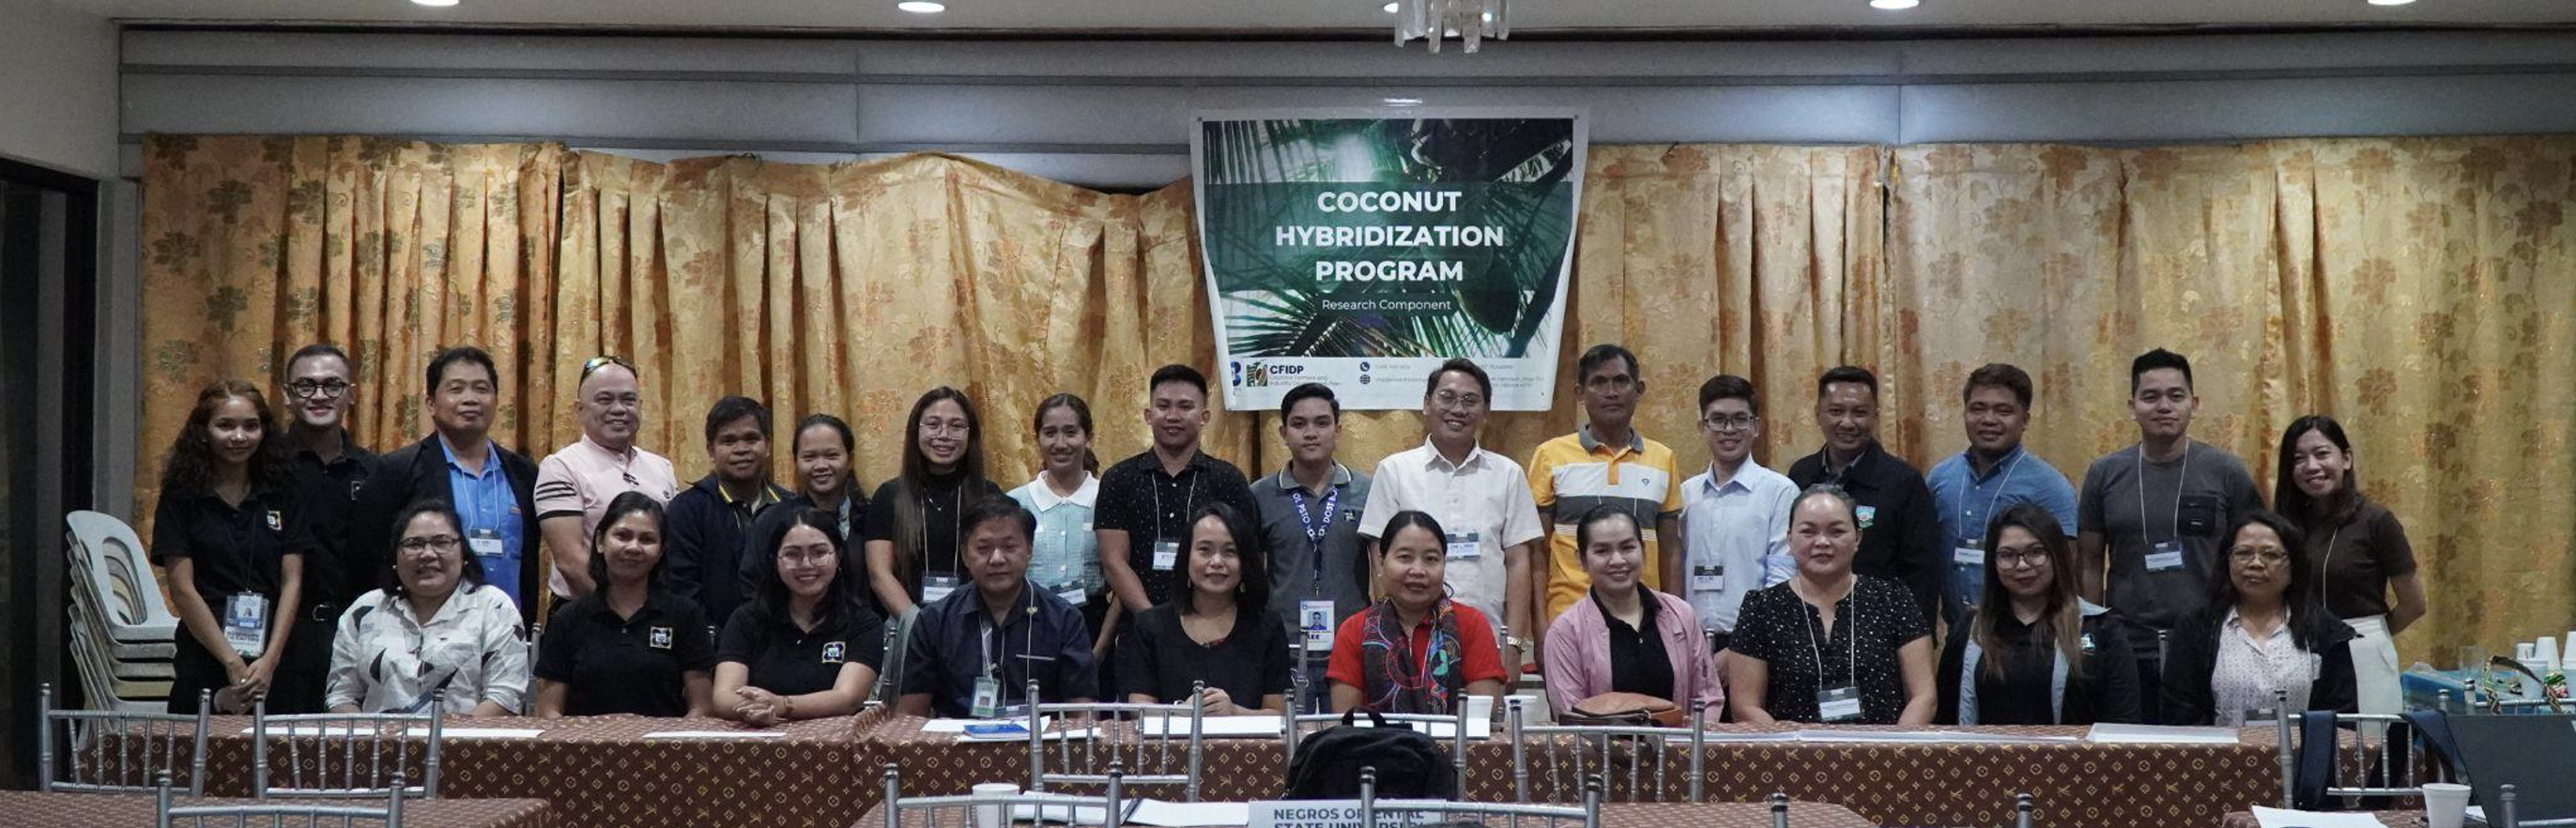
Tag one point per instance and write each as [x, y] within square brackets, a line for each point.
[312, 576]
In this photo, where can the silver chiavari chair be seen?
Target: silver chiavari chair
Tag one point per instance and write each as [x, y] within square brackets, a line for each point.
[104, 751]
[1148, 748]
[1108, 810]
[167, 814]
[1488, 814]
[346, 755]
[1599, 752]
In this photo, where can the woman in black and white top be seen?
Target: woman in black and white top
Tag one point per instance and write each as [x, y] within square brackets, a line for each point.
[1829, 645]
[435, 629]
[2264, 632]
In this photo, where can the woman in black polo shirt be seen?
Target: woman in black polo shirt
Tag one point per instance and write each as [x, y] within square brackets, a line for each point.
[630, 646]
[1221, 634]
[219, 532]
[804, 648]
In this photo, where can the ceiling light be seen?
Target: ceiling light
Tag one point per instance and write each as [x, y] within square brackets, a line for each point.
[922, 6]
[1390, 8]
[1402, 101]
[1894, 5]
[437, 3]
[1470, 21]
[2390, 2]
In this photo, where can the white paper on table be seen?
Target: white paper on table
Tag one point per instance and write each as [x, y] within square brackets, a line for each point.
[342, 730]
[1190, 814]
[716, 734]
[1714, 737]
[1476, 729]
[1935, 737]
[1210, 726]
[2160, 735]
[959, 725]
[2284, 818]
[1070, 815]
[489, 733]
[2477, 815]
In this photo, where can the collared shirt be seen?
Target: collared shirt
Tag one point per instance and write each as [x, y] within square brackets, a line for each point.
[1487, 495]
[954, 642]
[1138, 498]
[1968, 501]
[2189, 501]
[231, 549]
[583, 477]
[1900, 537]
[489, 508]
[1737, 533]
[757, 564]
[385, 660]
[789, 660]
[326, 494]
[703, 535]
[1064, 558]
[1480, 657]
[1574, 474]
[1580, 662]
[1335, 570]
[2250, 670]
[1638, 663]
[635, 664]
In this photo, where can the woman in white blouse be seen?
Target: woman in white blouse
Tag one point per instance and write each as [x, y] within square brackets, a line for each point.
[434, 630]
[2265, 632]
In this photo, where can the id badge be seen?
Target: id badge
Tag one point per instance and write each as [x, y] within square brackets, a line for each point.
[2165, 557]
[1316, 619]
[1073, 593]
[988, 697]
[1466, 546]
[1967, 555]
[935, 587]
[246, 623]
[1710, 578]
[1167, 554]
[486, 543]
[1841, 704]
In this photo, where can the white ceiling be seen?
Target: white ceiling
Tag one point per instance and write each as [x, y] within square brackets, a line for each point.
[1241, 16]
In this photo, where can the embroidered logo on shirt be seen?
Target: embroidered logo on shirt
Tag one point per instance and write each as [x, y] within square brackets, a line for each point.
[356, 483]
[1868, 515]
[832, 652]
[658, 638]
[276, 521]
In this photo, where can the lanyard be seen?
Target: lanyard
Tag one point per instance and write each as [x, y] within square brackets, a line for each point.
[2001, 487]
[2324, 564]
[1028, 638]
[1851, 648]
[2181, 477]
[1187, 501]
[1315, 532]
[956, 533]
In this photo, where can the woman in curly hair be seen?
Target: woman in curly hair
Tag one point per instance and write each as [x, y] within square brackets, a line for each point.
[219, 532]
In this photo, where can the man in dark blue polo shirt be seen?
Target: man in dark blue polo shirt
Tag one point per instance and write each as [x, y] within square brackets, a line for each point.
[975, 651]
[710, 522]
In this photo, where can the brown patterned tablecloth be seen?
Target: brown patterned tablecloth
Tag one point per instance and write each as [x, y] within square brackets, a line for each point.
[600, 772]
[2392, 819]
[71, 810]
[1613, 815]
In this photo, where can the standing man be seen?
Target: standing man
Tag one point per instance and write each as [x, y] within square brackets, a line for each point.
[706, 527]
[1995, 473]
[1481, 499]
[1735, 515]
[1604, 462]
[492, 488]
[1899, 538]
[1142, 520]
[329, 469]
[575, 484]
[2152, 515]
[1310, 517]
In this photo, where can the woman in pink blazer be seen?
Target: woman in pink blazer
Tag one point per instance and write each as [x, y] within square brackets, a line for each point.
[1625, 637]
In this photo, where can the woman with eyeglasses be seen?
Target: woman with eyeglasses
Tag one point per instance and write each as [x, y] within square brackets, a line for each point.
[2365, 568]
[805, 647]
[2265, 632]
[915, 538]
[2034, 653]
[434, 632]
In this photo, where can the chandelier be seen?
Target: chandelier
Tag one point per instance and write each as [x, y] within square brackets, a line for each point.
[1471, 21]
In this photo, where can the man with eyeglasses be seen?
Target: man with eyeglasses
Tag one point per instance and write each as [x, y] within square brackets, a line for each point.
[1899, 538]
[1735, 515]
[491, 488]
[1970, 488]
[329, 469]
[1481, 499]
[1604, 462]
[575, 484]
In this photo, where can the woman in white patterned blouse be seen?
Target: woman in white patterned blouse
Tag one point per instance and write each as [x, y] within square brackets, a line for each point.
[434, 631]
[2265, 632]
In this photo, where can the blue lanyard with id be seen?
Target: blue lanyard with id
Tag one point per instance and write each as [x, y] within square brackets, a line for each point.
[1315, 612]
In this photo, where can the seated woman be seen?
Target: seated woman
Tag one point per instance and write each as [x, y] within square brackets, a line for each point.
[630, 646]
[1627, 639]
[1416, 651]
[1829, 645]
[2034, 653]
[1221, 634]
[434, 630]
[805, 647]
[2265, 631]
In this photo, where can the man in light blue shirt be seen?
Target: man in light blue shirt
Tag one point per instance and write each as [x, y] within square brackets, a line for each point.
[1735, 515]
[1995, 473]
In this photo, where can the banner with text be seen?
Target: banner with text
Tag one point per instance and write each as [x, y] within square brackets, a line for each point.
[1361, 249]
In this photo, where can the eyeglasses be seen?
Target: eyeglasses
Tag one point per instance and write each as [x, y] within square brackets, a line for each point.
[805, 557]
[603, 361]
[1457, 401]
[1739, 422]
[306, 389]
[2021, 558]
[940, 429]
[432, 543]
[2269, 555]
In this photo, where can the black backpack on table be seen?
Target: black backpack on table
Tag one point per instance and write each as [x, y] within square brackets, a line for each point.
[1409, 763]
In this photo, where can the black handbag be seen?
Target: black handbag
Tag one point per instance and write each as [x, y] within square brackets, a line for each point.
[1409, 763]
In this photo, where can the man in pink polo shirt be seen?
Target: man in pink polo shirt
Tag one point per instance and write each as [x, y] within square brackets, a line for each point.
[575, 484]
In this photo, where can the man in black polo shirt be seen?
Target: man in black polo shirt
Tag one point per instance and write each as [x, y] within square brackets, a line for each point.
[329, 469]
[711, 520]
[1143, 517]
[975, 651]
[1900, 536]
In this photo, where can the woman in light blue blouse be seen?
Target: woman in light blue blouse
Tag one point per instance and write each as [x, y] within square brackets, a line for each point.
[1064, 558]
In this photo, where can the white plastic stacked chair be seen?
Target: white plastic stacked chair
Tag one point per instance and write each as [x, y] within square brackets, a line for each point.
[106, 751]
[1151, 754]
[959, 811]
[168, 814]
[121, 628]
[351, 755]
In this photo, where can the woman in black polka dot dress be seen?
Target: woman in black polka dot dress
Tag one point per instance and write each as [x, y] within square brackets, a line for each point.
[1829, 646]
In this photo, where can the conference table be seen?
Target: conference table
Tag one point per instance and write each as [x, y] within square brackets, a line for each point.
[1613, 815]
[98, 810]
[2391, 819]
